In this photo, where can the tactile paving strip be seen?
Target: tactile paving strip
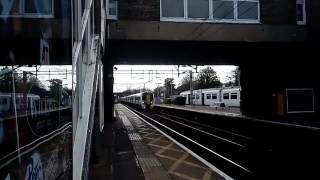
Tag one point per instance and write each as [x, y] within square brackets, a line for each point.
[151, 166]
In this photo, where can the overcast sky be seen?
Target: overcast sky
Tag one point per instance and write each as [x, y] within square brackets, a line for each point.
[152, 76]
[62, 72]
[148, 76]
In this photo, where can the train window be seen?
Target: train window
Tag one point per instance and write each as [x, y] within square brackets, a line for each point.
[112, 10]
[300, 100]
[38, 7]
[225, 95]
[208, 96]
[197, 97]
[234, 96]
[4, 101]
[83, 5]
[214, 96]
[301, 12]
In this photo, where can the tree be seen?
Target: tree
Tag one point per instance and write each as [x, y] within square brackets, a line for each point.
[233, 78]
[5, 80]
[55, 89]
[185, 84]
[158, 91]
[208, 78]
[29, 84]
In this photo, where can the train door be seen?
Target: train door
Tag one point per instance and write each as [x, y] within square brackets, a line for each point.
[202, 98]
[193, 98]
[188, 99]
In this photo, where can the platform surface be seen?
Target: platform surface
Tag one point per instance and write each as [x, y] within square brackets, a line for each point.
[158, 156]
[223, 111]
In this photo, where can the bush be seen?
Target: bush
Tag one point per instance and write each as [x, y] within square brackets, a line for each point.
[168, 101]
[179, 100]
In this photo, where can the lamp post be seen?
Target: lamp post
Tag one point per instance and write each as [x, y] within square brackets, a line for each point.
[191, 85]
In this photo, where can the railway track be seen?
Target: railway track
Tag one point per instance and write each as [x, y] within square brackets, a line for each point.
[209, 143]
[240, 155]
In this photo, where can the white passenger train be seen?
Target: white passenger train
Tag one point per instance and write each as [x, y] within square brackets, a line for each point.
[6, 105]
[143, 99]
[34, 104]
[229, 97]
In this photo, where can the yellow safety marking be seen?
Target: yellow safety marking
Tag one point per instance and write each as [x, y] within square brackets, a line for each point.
[178, 162]
[164, 148]
[176, 165]
[156, 139]
[207, 175]
[172, 149]
[146, 134]
[183, 176]
[185, 162]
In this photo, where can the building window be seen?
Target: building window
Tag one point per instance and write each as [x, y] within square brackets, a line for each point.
[198, 9]
[222, 9]
[112, 9]
[247, 10]
[243, 11]
[225, 95]
[208, 96]
[234, 96]
[300, 100]
[301, 12]
[172, 8]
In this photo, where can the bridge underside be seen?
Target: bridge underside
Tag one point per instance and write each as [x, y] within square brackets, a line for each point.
[205, 52]
[267, 69]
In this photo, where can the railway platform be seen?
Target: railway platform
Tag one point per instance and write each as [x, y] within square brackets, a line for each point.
[156, 155]
[224, 111]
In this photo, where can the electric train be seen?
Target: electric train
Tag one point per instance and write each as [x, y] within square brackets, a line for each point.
[228, 97]
[143, 99]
